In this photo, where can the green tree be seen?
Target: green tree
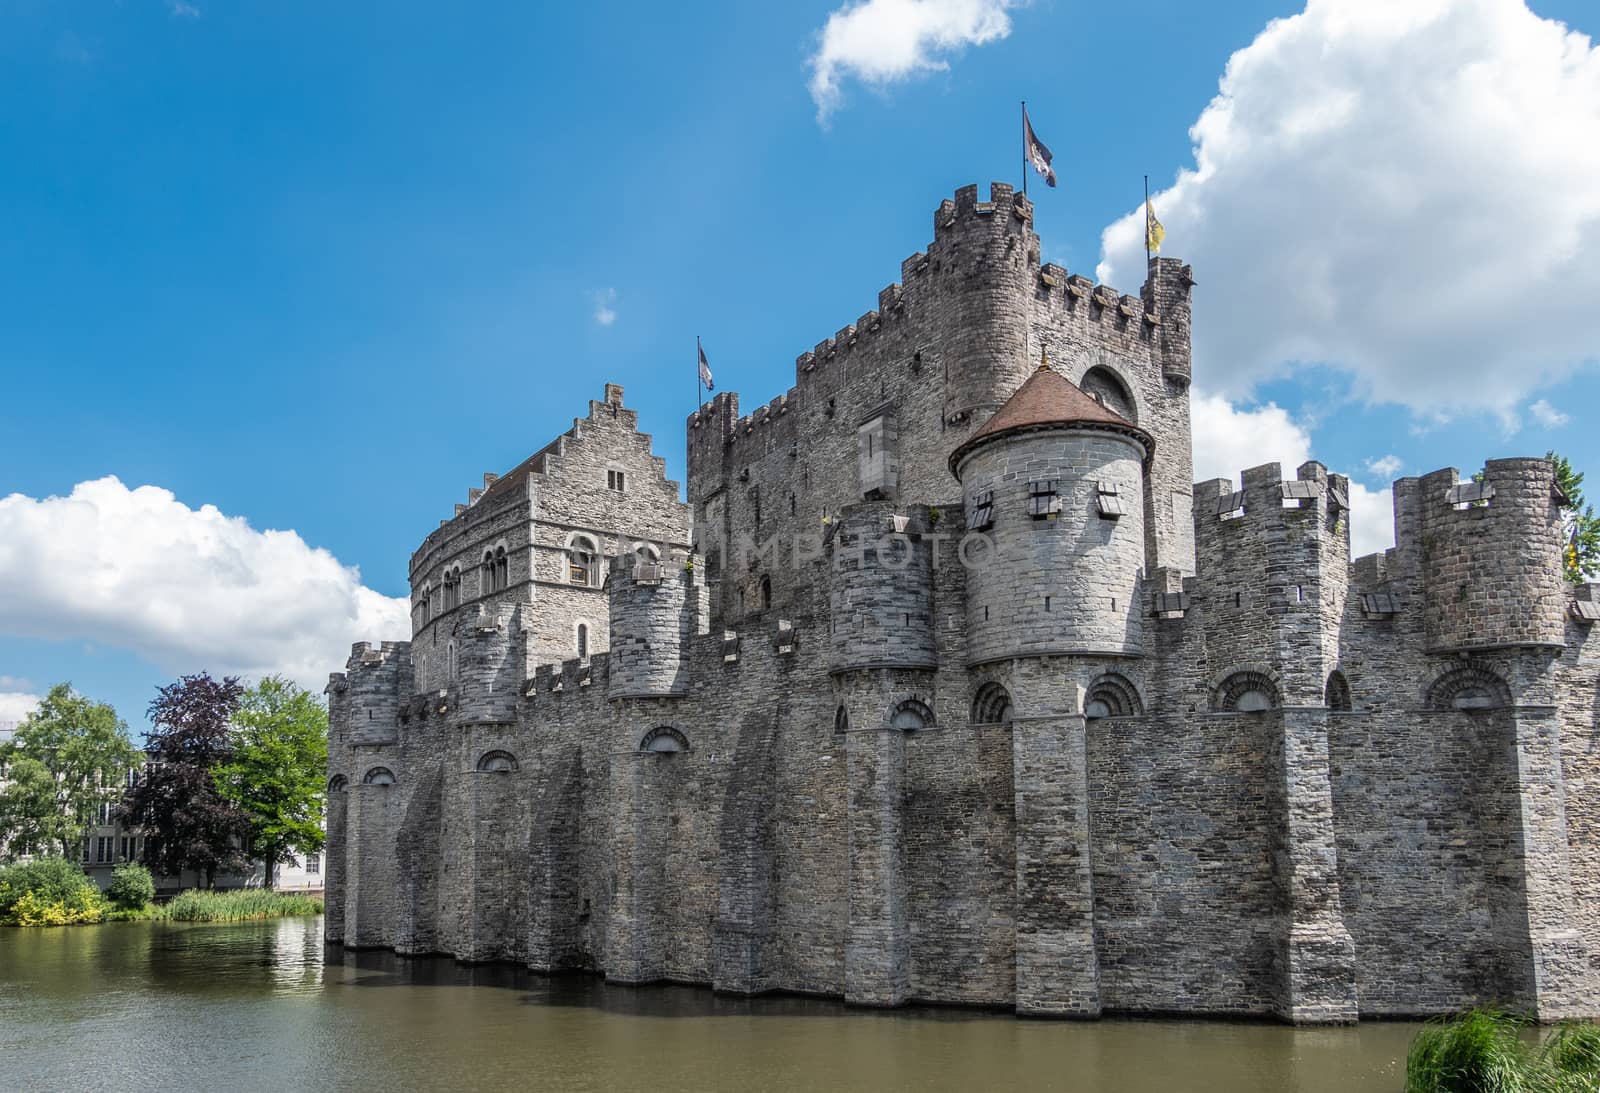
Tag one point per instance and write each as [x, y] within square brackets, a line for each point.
[1580, 547]
[86, 752]
[276, 776]
[132, 887]
[187, 822]
[31, 819]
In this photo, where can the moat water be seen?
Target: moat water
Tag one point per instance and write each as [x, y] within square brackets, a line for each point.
[266, 1007]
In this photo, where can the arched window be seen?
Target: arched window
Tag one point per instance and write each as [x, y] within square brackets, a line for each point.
[452, 664]
[338, 784]
[497, 762]
[452, 588]
[502, 570]
[991, 705]
[486, 574]
[1106, 387]
[911, 715]
[1245, 692]
[664, 740]
[1336, 695]
[766, 593]
[583, 640]
[379, 776]
[583, 561]
[1472, 687]
[841, 720]
[1111, 695]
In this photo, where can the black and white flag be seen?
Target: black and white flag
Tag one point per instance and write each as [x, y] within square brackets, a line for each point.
[1038, 154]
[705, 367]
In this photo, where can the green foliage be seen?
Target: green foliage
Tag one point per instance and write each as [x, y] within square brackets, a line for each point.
[1573, 1053]
[187, 822]
[276, 774]
[1580, 547]
[31, 818]
[47, 892]
[235, 905]
[131, 887]
[85, 752]
[1484, 1052]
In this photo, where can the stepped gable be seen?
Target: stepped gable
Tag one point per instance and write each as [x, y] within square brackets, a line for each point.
[1048, 400]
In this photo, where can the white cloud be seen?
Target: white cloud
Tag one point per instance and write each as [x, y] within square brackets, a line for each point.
[1393, 189]
[1228, 440]
[1548, 415]
[1385, 467]
[182, 10]
[188, 589]
[880, 42]
[15, 705]
[1371, 519]
[605, 306]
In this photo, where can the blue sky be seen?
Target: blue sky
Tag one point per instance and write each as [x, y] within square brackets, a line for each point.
[320, 267]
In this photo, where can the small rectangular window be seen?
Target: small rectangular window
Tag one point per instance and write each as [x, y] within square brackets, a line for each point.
[313, 864]
[981, 516]
[617, 480]
[1043, 501]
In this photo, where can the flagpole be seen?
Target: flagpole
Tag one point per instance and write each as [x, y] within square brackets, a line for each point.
[699, 384]
[1024, 147]
[1147, 222]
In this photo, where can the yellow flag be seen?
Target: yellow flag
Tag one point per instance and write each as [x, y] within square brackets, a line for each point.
[1154, 233]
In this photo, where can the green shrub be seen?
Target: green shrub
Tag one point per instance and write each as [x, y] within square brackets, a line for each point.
[241, 903]
[1573, 1056]
[47, 892]
[131, 887]
[1484, 1052]
[1479, 1052]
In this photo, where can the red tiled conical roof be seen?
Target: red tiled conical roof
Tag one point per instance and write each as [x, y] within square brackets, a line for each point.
[1047, 399]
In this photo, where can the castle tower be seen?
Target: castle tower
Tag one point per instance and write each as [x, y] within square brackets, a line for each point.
[1491, 553]
[882, 590]
[986, 258]
[1054, 481]
[1053, 489]
[490, 666]
[656, 609]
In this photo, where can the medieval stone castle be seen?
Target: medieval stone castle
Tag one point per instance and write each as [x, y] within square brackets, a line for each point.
[948, 685]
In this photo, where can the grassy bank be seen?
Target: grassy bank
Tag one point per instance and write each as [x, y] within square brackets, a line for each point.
[235, 906]
[55, 892]
[1486, 1052]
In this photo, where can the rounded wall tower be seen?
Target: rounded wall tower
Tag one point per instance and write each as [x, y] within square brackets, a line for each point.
[655, 610]
[377, 681]
[488, 672]
[1491, 557]
[881, 600]
[983, 264]
[1053, 488]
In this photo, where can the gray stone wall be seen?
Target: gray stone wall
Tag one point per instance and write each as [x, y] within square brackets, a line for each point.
[1090, 814]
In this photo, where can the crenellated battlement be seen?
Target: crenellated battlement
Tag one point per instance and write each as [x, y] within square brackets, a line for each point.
[1487, 551]
[1266, 501]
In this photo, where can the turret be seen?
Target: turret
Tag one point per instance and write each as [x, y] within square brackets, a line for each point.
[1053, 493]
[1274, 574]
[881, 599]
[1491, 556]
[656, 609]
[377, 681]
[985, 260]
[1166, 294]
[490, 665]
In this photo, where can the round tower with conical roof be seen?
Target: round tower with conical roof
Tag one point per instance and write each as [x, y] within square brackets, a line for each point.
[1053, 486]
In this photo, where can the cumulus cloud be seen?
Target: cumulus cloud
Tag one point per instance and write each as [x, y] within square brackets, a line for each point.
[1393, 189]
[15, 705]
[1385, 466]
[880, 42]
[1548, 415]
[1229, 439]
[605, 306]
[188, 589]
